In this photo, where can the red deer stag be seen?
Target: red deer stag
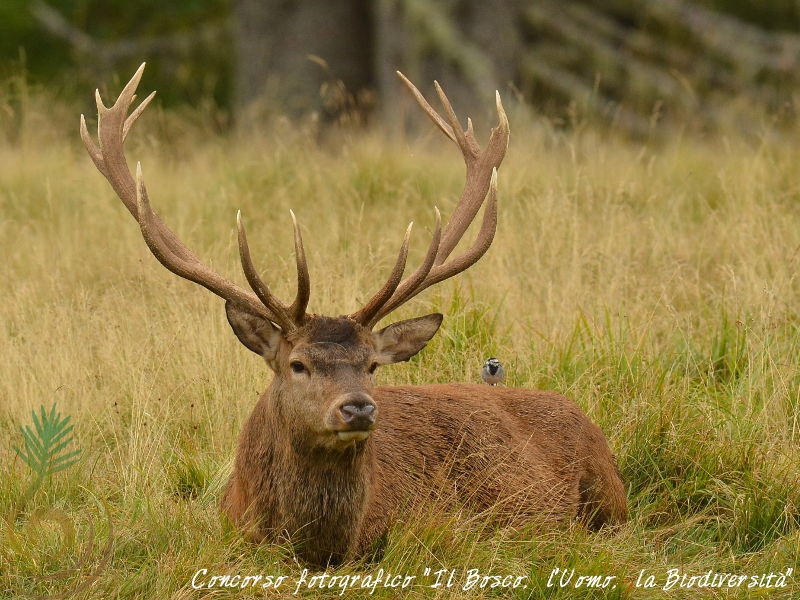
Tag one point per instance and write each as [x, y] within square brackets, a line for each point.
[326, 457]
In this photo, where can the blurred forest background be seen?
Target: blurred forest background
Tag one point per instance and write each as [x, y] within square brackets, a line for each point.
[640, 64]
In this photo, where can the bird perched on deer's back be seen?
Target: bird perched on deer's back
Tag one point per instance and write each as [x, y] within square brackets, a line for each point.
[493, 372]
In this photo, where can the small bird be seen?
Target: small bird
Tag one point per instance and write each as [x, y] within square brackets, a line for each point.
[493, 372]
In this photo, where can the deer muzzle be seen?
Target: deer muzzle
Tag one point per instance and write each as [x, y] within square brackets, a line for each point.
[356, 414]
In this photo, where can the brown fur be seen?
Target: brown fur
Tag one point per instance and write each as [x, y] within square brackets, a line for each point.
[525, 454]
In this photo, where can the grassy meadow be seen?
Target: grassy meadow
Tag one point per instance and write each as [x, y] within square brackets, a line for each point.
[653, 282]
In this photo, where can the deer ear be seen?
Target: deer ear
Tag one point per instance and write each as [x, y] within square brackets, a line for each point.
[255, 332]
[402, 340]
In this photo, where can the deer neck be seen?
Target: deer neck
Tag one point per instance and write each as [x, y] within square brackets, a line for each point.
[319, 493]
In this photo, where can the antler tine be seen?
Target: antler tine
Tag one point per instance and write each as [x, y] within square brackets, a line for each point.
[365, 314]
[113, 125]
[429, 110]
[429, 274]
[279, 310]
[298, 308]
[479, 172]
[481, 183]
[91, 148]
[408, 285]
[126, 127]
[478, 248]
[460, 138]
[288, 317]
[479, 163]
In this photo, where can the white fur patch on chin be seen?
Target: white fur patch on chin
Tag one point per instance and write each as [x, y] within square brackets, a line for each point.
[352, 436]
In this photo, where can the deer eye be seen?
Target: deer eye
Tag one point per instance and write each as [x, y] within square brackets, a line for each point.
[372, 368]
[298, 367]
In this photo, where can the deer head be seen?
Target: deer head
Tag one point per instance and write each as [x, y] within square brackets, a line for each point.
[323, 366]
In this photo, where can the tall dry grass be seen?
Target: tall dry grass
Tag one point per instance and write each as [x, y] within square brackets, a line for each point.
[653, 283]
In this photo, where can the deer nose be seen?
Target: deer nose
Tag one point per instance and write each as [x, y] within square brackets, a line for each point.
[358, 411]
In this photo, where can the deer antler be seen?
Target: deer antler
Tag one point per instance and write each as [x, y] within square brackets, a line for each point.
[113, 126]
[481, 183]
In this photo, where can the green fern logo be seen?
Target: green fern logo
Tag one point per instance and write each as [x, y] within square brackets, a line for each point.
[45, 448]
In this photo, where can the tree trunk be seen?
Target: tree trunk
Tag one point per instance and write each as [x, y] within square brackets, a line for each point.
[275, 38]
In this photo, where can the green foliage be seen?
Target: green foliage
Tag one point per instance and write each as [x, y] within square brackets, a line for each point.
[472, 326]
[189, 476]
[189, 73]
[728, 351]
[778, 15]
[46, 443]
